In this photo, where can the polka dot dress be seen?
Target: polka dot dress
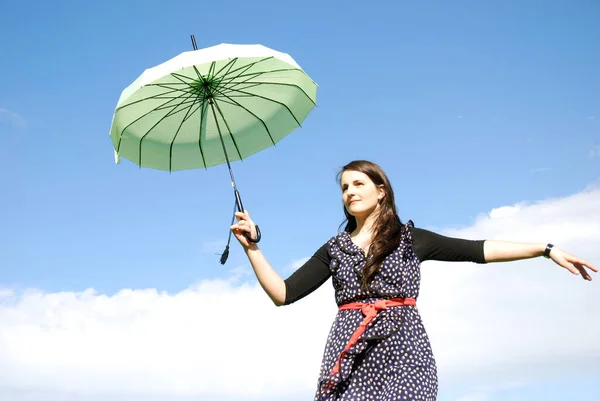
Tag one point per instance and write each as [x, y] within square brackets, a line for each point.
[392, 360]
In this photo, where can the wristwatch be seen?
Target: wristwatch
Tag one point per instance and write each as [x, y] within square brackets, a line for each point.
[547, 251]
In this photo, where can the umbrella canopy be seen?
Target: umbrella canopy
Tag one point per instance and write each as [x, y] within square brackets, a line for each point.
[211, 106]
[204, 107]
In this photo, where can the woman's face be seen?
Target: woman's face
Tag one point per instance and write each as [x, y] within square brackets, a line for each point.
[359, 194]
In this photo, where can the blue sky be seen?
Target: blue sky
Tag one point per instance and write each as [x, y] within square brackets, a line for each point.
[467, 106]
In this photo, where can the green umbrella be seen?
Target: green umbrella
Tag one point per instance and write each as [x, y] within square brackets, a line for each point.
[211, 106]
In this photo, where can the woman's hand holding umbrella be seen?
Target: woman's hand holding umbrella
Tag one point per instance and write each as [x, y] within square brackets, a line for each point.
[244, 225]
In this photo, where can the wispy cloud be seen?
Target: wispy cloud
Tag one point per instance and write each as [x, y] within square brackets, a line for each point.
[296, 264]
[595, 152]
[14, 119]
[240, 272]
[220, 339]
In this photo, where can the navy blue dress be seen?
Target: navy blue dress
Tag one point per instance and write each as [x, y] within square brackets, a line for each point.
[393, 359]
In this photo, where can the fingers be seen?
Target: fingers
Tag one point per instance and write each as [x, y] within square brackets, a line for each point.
[244, 223]
[589, 266]
[584, 273]
[243, 215]
[577, 261]
[241, 226]
[581, 265]
[562, 261]
[570, 268]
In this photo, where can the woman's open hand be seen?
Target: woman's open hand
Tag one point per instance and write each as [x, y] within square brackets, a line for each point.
[572, 263]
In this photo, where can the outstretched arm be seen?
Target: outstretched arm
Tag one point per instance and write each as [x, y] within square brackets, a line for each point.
[268, 278]
[432, 246]
[504, 251]
[304, 281]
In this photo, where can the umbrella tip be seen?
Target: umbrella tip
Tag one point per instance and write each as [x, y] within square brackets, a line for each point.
[225, 255]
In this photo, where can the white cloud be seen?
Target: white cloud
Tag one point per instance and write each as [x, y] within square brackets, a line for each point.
[484, 393]
[15, 119]
[504, 211]
[296, 264]
[218, 338]
[221, 339]
[595, 152]
[478, 396]
[240, 272]
[518, 320]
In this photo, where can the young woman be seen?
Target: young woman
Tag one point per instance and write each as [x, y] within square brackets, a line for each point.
[377, 348]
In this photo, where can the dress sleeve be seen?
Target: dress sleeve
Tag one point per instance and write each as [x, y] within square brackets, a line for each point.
[310, 276]
[432, 246]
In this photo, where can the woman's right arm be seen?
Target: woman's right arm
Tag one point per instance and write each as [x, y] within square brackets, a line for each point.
[268, 278]
[302, 282]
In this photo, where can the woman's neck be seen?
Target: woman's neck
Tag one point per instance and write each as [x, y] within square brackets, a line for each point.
[365, 226]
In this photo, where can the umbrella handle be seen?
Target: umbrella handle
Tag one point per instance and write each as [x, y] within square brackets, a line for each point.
[240, 206]
[253, 240]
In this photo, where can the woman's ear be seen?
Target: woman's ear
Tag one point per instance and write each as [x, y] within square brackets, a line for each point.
[381, 193]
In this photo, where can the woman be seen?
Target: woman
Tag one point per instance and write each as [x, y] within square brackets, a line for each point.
[377, 348]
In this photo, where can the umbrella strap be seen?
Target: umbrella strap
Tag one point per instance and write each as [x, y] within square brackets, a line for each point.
[232, 221]
[225, 253]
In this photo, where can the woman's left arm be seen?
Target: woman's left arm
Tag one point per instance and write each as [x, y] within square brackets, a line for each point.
[504, 251]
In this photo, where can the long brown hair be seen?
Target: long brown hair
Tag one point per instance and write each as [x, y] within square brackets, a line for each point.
[387, 228]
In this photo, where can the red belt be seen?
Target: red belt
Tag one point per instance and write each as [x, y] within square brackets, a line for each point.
[370, 310]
